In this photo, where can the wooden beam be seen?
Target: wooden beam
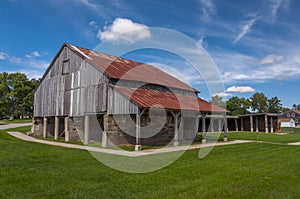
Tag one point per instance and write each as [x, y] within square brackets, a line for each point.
[56, 127]
[67, 135]
[45, 127]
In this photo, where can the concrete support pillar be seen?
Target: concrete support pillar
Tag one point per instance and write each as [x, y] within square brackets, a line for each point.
[45, 127]
[176, 136]
[242, 124]
[56, 128]
[212, 125]
[251, 123]
[256, 124]
[225, 128]
[196, 125]
[86, 129]
[271, 124]
[266, 124]
[66, 129]
[236, 125]
[138, 145]
[203, 128]
[32, 126]
[104, 142]
[219, 125]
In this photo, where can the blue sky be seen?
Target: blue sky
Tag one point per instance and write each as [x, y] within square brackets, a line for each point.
[255, 44]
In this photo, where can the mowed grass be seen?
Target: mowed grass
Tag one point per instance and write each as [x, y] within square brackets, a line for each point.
[16, 121]
[265, 137]
[253, 170]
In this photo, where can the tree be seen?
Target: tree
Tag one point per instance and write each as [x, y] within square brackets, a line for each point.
[238, 106]
[16, 94]
[218, 101]
[4, 91]
[259, 102]
[274, 105]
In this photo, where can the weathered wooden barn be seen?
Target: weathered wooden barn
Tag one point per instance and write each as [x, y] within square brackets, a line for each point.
[97, 97]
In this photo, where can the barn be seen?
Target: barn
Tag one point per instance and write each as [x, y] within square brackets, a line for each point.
[94, 97]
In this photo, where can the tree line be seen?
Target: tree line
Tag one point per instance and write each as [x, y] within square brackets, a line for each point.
[258, 103]
[16, 95]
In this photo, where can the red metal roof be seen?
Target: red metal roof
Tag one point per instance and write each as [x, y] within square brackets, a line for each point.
[151, 98]
[120, 68]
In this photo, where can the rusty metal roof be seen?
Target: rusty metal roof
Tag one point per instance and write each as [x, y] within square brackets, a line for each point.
[120, 68]
[152, 98]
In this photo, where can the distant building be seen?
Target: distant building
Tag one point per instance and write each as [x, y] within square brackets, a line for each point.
[292, 114]
[287, 122]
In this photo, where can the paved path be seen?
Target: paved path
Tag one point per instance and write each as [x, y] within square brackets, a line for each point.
[122, 152]
[294, 143]
[10, 126]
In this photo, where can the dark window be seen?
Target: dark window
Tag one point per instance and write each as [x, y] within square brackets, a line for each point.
[66, 67]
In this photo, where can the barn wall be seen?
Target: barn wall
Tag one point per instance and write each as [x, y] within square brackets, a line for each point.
[118, 104]
[71, 87]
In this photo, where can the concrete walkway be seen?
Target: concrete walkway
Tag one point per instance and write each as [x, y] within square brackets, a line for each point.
[122, 152]
[294, 143]
[10, 126]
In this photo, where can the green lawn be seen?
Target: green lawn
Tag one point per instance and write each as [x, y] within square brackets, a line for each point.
[253, 170]
[15, 121]
[266, 137]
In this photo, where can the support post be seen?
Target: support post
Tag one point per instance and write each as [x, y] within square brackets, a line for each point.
[242, 124]
[138, 145]
[219, 125]
[67, 135]
[251, 123]
[86, 129]
[266, 124]
[203, 128]
[104, 142]
[196, 125]
[225, 128]
[176, 136]
[271, 124]
[256, 124]
[56, 127]
[236, 125]
[32, 126]
[45, 127]
[212, 125]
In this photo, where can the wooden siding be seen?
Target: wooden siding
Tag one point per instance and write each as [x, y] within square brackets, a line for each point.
[132, 84]
[71, 87]
[118, 104]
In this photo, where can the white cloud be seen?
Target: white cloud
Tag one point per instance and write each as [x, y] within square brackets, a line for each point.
[276, 5]
[93, 24]
[3, 56]
[240, 89]
[245, 29]
[271, 59]
[208, 10]
[90, 4]
[33, 54]
[223, 94]
[124, 31]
